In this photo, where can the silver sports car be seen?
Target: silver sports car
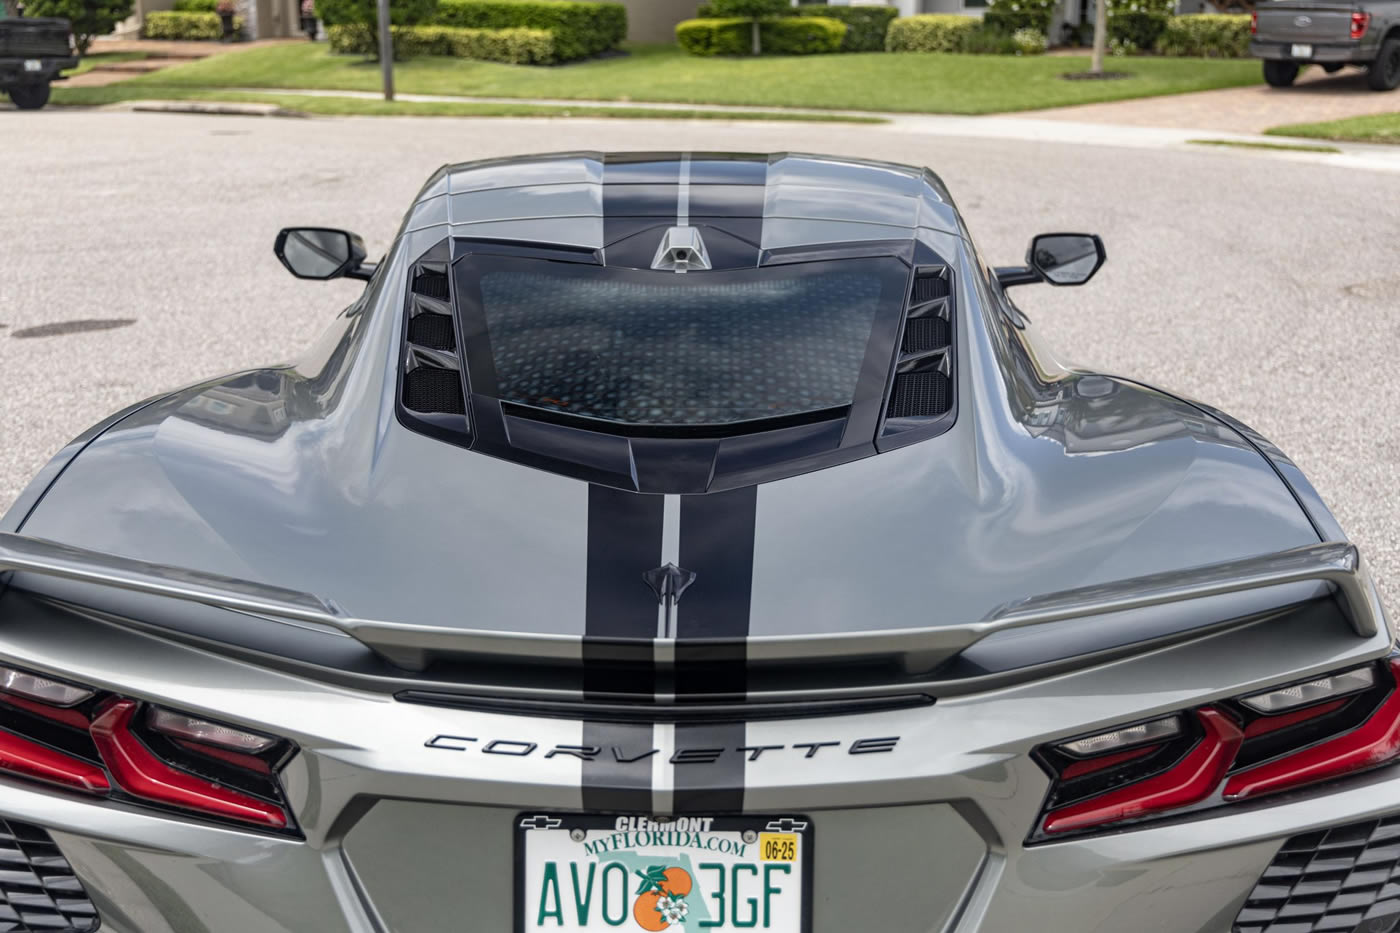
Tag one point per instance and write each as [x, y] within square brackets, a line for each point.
[688, 542]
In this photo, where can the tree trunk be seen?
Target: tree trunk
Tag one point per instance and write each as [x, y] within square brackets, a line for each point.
[757, 46]
[11, 7]
[1100, 35]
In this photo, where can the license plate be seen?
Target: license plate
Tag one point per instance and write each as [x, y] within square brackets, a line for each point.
[594, 872]
[1301, 51]
[33, 64]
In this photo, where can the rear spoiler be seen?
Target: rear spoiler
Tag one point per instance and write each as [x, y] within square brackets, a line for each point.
[914, 650]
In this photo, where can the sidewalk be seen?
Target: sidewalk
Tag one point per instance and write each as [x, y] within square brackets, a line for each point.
[1316, 97]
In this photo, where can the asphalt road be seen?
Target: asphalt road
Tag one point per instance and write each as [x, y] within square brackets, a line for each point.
[1266, 286]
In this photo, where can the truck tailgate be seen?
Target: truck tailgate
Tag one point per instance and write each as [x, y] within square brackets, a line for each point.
[1304, 22]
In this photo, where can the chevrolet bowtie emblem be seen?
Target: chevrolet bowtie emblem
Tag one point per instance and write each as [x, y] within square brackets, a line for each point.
[669, 582]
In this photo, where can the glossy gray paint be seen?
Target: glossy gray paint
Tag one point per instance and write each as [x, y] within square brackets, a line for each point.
[303, 478]
[1051, 479]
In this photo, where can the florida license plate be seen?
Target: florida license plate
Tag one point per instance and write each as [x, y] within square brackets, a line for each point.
[592, 872]
[33, 64]
[1301, 51]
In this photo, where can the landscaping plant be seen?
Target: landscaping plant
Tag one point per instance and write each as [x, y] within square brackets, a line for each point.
[931, 32]
[866, 26]
[791, 35]
[581, 29]
[90, 18]
[176, 24]
[753, 11]
[1028, 42]
[1010, 15]
[1206, 35]
[512, 46]
[364, 13]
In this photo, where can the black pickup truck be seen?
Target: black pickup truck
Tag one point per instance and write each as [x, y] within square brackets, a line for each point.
[33, 50]
[1289, 34]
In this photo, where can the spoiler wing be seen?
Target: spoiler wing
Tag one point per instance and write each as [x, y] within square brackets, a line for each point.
[916, 650]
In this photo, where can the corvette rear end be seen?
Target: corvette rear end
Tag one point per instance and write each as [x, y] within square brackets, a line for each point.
[918, 632]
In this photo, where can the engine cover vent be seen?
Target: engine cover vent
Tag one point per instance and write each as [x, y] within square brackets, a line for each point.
[432, 395]
[921, 392]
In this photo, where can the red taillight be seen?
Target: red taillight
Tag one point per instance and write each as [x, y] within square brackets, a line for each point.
[142, 774]
[1375, 741]
[1360, 22]
[30, 759]
[1190, 781]
[76, 737]
[1286, 737]
[1253, 22]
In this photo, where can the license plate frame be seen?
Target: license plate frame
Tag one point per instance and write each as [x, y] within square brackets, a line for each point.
[1303, 50]
[32, 65]
[535, 821]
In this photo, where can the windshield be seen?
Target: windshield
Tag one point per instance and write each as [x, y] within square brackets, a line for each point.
[661, 348]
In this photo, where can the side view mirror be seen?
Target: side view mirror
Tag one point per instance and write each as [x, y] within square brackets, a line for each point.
[1057, 258]
[322, 253]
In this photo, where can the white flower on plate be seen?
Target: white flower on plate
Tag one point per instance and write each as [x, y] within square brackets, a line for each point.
[673, 909]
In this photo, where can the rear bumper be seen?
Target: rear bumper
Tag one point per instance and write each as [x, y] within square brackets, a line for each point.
[422, 867]
[12, 70]
[1348, 52]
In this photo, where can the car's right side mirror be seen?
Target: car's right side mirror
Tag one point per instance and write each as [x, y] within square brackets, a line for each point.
[1057, 258]
[322, 253]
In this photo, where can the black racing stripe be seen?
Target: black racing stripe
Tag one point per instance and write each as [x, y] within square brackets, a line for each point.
[637, 185]
[624, 541]
[617, 779]
[717, 544]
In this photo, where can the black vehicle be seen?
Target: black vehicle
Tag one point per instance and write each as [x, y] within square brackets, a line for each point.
[33, 52]
[1290, 34]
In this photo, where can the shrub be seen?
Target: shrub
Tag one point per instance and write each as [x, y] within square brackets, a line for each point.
[748, 9]
[789, 35]
[985, 40]
[170, 24]
[196, 6]
[1010, 15]
[513, 46]
[804, 35]
[1139, 29]
[866, 26]
[580, 28]
[364, 13]
[1028, 42]
[930, 32]
[1206, 35]
[89, 18]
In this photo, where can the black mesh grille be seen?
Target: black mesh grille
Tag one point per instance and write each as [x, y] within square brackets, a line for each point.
[930, 287]
[925, 333]
[431, 284]
[38, 891]
[432, 330]
[429, 389]
[1338, 880]
[919, 395]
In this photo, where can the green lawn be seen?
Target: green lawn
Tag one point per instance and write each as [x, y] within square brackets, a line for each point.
[353, 106]
[1379, 128]
[1249, 144]
[867, 81]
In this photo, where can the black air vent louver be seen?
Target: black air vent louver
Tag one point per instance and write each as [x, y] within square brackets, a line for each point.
[432, 369]
[38, 890]
[922, 391]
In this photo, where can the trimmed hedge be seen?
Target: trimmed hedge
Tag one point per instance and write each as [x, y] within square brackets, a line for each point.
[365, 12]
[866, 26]
[1140, 29]
[931, 32]
[513, 46]
[169, 24]
[1206, 35]
[196, 6]
[580, 28]
[748, 9]
[788, 35]
[1010, 15]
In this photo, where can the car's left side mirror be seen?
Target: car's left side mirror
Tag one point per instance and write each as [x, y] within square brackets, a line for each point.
[1057, 258]
[322, 253]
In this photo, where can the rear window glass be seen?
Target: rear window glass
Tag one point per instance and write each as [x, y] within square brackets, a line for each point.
[661, 348]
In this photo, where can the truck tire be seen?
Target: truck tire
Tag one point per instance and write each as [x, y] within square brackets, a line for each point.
[1384, 73]
[30, 96]
[1280, 74]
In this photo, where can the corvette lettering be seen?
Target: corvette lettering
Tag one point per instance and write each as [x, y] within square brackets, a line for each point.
[693, 755]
